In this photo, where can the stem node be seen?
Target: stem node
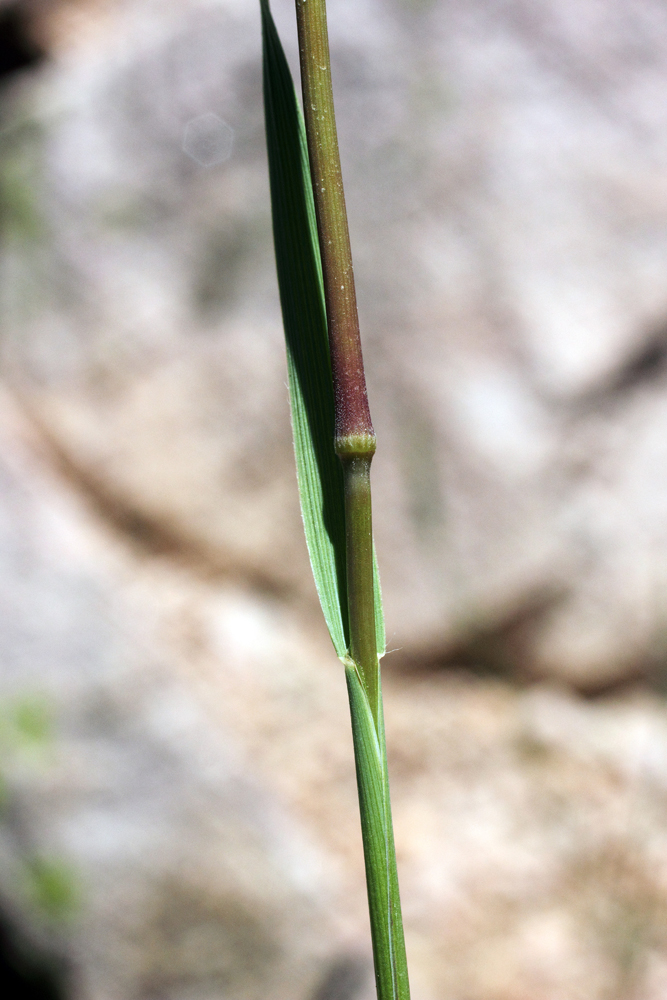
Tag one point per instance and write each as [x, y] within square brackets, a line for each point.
[360, 445]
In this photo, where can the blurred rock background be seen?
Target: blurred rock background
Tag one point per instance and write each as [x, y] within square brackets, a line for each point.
[178, 816]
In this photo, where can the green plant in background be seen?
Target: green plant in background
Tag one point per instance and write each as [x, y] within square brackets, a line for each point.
[48, 885]
[334, 439]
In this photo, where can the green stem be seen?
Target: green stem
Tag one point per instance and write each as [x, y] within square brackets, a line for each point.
[384, 904]
[354, 437]
[354, 442]
[360, 596]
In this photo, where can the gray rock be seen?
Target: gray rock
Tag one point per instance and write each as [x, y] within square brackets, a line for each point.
[135, 842]
[179, 816]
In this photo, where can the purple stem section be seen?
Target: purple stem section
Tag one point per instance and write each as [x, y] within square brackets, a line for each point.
[354, 433]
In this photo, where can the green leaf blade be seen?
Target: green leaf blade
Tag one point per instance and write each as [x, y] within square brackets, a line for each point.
[304, 319]
[380, 635]
[299, 269]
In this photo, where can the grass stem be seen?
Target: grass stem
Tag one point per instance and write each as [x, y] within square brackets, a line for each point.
[352, 417]
[360, 597]
[330, 417]
[354, 442]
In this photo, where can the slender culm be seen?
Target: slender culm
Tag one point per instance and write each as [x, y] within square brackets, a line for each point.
[312, 262]
[354, 439]
[355, 445]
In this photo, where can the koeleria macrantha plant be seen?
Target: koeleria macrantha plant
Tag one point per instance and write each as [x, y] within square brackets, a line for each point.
[334, 440]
